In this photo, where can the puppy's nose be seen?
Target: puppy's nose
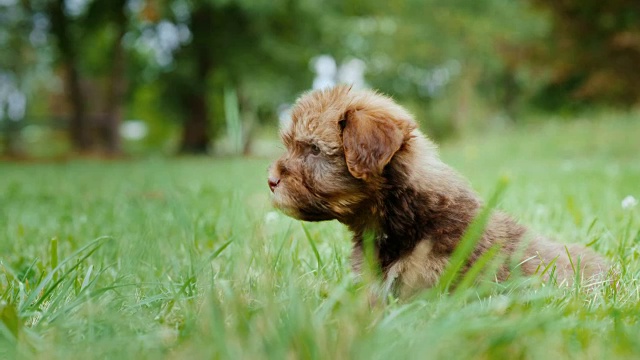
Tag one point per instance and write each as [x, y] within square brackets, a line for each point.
[273, 182]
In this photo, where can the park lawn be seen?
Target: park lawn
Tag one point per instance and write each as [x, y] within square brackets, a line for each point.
[185, 258]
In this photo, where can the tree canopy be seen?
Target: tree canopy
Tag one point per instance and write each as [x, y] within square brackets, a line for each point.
[190, 69]
[592, 52]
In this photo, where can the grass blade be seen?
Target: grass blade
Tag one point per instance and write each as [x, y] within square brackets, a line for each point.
[478, 266]
[469, 240]
[54, 256]
[47, 279]
[313, 247]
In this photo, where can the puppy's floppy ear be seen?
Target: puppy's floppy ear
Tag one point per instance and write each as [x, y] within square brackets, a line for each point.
[370, 140]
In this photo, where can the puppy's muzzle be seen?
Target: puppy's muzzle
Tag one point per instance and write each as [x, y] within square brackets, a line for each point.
[273, 183]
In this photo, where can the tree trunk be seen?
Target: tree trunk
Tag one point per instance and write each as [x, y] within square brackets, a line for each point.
[79, 129]
[196, 134]
[79, 126]
[116, 88]
[462, 112]
[511, 93]
[11, 135]
[247, 113]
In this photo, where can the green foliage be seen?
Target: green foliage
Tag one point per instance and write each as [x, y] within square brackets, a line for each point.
[592, 52]
[185, 258]
[457, 65]
[161, 126]
[246, 42]
[466, 246]
[450, 62]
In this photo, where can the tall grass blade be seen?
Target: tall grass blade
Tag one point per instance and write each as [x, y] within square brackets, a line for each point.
[49, 277]
[313, 247]
[478, 266]
[54, 256]
[469, 240]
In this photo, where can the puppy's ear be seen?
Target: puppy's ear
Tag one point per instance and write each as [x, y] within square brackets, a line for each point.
[370, 141]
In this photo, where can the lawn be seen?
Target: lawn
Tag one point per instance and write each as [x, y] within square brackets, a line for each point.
[185, 258]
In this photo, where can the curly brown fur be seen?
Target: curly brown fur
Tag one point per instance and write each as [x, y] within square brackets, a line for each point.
[358, 157]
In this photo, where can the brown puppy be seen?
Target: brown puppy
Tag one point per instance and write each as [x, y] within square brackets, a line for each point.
[358, 157]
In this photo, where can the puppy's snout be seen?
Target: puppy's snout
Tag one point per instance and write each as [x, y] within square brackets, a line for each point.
[273, 182]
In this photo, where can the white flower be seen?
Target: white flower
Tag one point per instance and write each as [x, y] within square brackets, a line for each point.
[629, 202]
[271, 217]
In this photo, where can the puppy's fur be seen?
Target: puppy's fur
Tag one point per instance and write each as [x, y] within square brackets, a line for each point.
[358, 157]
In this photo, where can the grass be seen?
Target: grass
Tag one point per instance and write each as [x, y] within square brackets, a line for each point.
[185, 258]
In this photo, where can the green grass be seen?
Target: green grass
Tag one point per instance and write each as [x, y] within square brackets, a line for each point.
[184, 258]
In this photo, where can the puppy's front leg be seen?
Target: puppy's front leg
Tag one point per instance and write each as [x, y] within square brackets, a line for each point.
[357, 259]
[378, 288]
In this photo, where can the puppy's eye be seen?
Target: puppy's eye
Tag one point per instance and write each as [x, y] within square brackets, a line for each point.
[315, 150]
[343, 120]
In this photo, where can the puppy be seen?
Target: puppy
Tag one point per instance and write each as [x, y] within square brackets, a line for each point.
[358, 157]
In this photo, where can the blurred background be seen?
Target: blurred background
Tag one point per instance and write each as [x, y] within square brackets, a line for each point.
[134, 77]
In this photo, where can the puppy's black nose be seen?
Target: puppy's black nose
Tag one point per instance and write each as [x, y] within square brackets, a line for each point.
[273, 182]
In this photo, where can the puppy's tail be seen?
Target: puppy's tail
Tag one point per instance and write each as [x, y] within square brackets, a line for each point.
[566, 263]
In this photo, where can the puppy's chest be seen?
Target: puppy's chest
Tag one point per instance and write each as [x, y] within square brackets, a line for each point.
[418, 269]
[393, 248]
[407, 268]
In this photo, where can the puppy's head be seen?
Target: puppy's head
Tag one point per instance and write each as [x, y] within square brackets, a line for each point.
[337, 145]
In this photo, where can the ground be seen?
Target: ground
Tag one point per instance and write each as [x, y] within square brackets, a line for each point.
[185, 258]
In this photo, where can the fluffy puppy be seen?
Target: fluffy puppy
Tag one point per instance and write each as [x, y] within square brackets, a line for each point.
[358, 157]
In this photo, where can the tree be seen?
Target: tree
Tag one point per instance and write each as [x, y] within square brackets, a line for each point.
[66, 44]
[438, 58]
[18, 74]
[236, 44]
[593, 52]
[95, 86]
[113, 15]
